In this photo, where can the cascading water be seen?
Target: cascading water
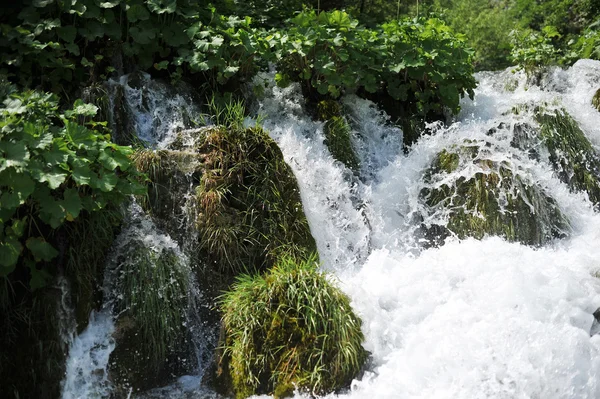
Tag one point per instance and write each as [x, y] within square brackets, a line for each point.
[473, 318]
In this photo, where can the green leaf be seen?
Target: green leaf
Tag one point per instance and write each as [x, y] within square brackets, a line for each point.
[81, 108]
[39, 277]
[162, 6]
[10, 250]
[22, 187]
[67, 33]
[109, 4]
[105, 182]
[54, 178]
[142, 36]
[71, 203]
[41, 250]
[137, 12]
[14, 155]
[18, 226]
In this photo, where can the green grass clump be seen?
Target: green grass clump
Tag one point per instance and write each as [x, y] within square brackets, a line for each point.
[337, 133]
[290, 328]
[495, 201]
[571, 153]
[249, 207]
[152, 310]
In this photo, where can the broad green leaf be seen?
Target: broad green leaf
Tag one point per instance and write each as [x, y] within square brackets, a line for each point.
[39, 278]
[71, 203]
[142, 36]
[16, 188]
[82, 174]
[10, 250]
[41, 250]
[67, 33]
[14, 106]
[81, 108]
[109, 4]
[162, 6]
[13, 155]
[105, 182]
[18, 226]
[80, 136]
[137, 12]
[54, 178]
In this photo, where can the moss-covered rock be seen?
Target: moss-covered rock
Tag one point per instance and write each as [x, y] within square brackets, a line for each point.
[571, 154]
[233, 186]
[290, 328]
[152, 347]
[337, 133]
[491, 201]
[596, 100]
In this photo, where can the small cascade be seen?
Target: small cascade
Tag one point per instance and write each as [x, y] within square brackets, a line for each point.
[145, 265]
[326, 186]
[154, 110]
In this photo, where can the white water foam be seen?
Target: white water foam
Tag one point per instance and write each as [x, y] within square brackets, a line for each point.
[472, 319]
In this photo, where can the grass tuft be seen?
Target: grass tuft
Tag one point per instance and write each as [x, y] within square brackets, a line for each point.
[290, 328]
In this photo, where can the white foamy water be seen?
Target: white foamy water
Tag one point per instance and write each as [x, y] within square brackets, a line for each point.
[471, 319]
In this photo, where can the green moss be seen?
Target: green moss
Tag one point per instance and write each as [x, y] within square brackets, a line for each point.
[290, 328]
[248, 203]
[596, 100]
[150, 330]
[571, 153]
[337, 133]
[494, 201]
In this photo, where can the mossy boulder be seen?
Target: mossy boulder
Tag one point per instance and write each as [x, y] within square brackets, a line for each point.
[233, 188]
[152, 346]
[596, 100]
[571, 154]
[290, 328]
[337, 133]
[479, 197]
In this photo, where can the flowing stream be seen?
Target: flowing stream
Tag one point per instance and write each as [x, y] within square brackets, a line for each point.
[471, 319]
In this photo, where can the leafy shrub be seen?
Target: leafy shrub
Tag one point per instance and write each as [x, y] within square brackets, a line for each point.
[533, 50]
[422, 65]
[53, 167]
[63, 44]
[588, 44]
[290, 328]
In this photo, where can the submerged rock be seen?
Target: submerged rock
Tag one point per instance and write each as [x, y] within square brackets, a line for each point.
[571, 154]
[596, 100]
[478, 197]
[289, 329]
[337, 133]
[154, 286]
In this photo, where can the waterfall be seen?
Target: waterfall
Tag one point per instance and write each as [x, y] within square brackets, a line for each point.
[466, 318]
[472, 318]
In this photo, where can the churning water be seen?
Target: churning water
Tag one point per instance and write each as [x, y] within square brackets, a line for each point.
[473, 318]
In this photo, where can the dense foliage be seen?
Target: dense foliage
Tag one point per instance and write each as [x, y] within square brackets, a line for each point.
[421, 64]
[54, 166]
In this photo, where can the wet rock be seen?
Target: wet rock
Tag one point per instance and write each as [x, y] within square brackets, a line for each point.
[478, 197]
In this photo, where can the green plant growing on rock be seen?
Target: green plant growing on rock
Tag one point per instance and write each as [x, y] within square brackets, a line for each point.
[150, 330]
[290, 328]
[337, 133]
[493, 201]
[249, 207]
[571, 153]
